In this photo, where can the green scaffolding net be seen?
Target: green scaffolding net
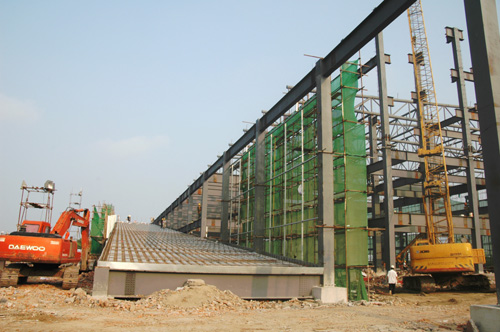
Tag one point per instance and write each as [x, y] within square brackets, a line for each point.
[97, 228]
[292, 190]
[350, 207]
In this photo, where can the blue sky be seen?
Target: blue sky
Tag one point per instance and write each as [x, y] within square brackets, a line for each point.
[131, 100]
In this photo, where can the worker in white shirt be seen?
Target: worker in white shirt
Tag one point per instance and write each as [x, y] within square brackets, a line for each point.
[392, 279]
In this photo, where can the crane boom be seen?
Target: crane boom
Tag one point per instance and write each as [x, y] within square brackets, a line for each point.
[436, 195]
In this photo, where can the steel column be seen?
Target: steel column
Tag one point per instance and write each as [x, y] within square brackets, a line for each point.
[389, 247]
[168, 216]
[204, 207]
[179, 214]
[374, 158]
[484, 41]
[224, 223]
[325, 176]
[176, 217]
[454, 36]
[190, 207]
[259, 188]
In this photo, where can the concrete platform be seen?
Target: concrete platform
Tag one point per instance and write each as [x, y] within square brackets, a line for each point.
[139, 259]
[486, 317]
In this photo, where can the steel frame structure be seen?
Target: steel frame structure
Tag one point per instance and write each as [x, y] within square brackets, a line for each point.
[394, 168]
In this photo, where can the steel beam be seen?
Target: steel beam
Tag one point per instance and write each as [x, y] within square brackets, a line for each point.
[484, 41]
[403, 174]
[418, 220]
[455, 134]
[374, 23]
[402, 156]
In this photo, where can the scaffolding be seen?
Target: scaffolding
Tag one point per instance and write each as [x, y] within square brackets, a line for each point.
[291, 168]
[291, 225]
[97, 227]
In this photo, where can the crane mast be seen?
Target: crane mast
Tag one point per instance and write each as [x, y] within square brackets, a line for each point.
[436, 261]
[436, 195]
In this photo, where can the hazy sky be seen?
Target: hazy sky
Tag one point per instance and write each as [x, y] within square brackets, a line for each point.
[131, 100]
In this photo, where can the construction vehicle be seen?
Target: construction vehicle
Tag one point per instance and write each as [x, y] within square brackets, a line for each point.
[436, 261]
[37, 250]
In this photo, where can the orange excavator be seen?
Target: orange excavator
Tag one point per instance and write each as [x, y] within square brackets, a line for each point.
[37, 250]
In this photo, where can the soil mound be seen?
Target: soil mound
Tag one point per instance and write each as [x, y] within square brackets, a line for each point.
[191, 297]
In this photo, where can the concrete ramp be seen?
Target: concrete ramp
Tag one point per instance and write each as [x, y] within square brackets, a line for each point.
[139, 259]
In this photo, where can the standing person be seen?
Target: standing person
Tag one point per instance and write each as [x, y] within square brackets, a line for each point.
[392, 279]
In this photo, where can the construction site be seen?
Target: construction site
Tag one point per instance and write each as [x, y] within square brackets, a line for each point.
[303, 216]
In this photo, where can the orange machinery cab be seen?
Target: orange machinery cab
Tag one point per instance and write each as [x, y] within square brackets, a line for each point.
[34, 244]
[444, 257]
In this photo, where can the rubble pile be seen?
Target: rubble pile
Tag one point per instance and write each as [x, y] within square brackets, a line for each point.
[194, 293]
[194, 297]
[86, 281]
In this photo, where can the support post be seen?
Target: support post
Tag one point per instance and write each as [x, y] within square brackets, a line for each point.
[325, 177]
[377, 244]
[326, 237]
[204, 207]
[169, 219]
[224, 222]
[484, 41]
[183, 221]
[179, 213]
[101, 282]
[454, 36]
[189, 213]
[389, 247]
[374, 158]
[175, 216]
[260, 188]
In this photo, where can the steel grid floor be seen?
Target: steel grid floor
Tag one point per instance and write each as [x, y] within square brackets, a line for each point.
[150, 244]
[139, 259]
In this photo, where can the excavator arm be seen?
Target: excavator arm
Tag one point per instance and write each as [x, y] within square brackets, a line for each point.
[71, 217]
[401, 257]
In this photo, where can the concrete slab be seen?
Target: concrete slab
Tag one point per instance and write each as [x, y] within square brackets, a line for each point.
[139, 259]
[486, 317]
[330, 294]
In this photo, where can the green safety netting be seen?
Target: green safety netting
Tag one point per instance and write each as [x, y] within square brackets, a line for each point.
[97, 228]
[350, 208]
[291, 187]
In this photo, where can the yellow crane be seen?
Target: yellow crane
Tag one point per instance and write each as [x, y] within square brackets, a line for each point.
[436, 260]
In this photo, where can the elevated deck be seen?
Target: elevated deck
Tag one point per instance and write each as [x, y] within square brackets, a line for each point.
[139, 259]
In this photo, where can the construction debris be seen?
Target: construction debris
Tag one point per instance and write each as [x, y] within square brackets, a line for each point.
[51, 306]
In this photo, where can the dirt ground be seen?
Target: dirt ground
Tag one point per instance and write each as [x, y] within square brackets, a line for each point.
[46, 307]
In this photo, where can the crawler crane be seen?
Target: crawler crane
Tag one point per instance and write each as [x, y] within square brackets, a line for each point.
[436, 260]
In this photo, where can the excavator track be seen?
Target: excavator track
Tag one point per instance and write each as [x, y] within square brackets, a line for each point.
[9, 277]
[471, 282]
[70, 277]
[424, 283]
[459, 282]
